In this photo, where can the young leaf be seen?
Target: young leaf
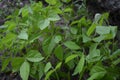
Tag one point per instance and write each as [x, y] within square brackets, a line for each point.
[47, 67]
[34, 56]
[53, 16]
[43, 24]
[97, 17]
[24, 70]
[80, 66]
[58, 38]
[70, 58]
[71, 45]
[59, 52]
[23, 35]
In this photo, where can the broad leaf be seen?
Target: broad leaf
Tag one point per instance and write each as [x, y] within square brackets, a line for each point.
[24, 70]
[47, 67]
[71, 45]
[59, 52]
[34, 56]
[43, 24]
[102, 30]
[23, 35]
[52, 16]
[58, 38]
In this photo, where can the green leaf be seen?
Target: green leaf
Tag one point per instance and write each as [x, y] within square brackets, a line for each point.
[69, 58]
[24, 11]
[86, 38]
[102, 30]
[23, 35]
[94, 54]
[91, 29]
[5, 63]
[24, 70]
[58, 65]
[80, 66]
[48, 45]
[59, 52]
[113, 30]
[58, 38]
[98, 76]
[43, 24]
[52, 16]
[71, 45]
[52, 2]
[97, 73]
[116, 62]
[11, 25]
[9, 38]
[68, 9]
[47, 67]
[41, 70]
[115, 54]
[99, 39]
[73, 30]
[34, 56]
[49, 74]
[16, 63]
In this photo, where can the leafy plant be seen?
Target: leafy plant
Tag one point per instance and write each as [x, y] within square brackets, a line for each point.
[34, 45]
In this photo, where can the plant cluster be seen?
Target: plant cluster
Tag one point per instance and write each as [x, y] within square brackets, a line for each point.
[41, 42]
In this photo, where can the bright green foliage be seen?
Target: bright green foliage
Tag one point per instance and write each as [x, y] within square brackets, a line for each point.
[48, 43]
[34, 56]
[71, 45]
[24, 70]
